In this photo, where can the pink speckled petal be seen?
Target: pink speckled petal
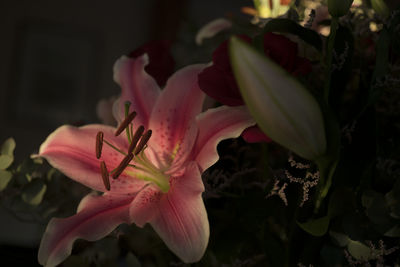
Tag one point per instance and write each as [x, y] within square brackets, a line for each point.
[179, 216]
[173, 117]
[144, 207]
[97, 216]
[216, 125]
[72, 151]
[182, 220]
[138, 87]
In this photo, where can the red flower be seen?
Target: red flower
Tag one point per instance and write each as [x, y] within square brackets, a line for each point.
[218, 81]
[161, 63]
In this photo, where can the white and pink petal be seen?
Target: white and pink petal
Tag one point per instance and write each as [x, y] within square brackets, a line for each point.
[97, 216]
[216, 125]
[138, 87]
[72, 151]
[173, 117]
[181, 218]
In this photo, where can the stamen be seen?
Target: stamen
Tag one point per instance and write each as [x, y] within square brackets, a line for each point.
[99, 144]
[105, 175]
[135, 139]
[121, 167]
[143, 141]
[125, 123]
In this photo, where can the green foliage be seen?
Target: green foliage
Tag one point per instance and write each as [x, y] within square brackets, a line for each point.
[316, 227]
[5, 178]
[380, 7]
[33, 192]
[8, 147]
[289, 26]
[339, 8]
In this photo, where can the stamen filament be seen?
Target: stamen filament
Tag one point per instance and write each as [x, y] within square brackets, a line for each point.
[121, 167]
[105, 175]
[99, 144]
[130, 132]
[135, 138]
[143, 141]
[114, 147]
[127, 105]
[125, 124]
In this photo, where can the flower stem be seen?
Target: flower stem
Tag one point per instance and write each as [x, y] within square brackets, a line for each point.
[326, 170]
[330, 48]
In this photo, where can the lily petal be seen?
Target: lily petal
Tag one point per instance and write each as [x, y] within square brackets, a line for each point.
[179, 217]
[72, 151]
[215, 125]
[97, 216]
[173, 117]
[211, 29]
[137, 86]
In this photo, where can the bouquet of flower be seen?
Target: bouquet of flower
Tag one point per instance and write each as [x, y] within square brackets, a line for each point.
[281, 148]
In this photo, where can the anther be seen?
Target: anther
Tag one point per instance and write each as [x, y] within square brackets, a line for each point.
[99, 144]
[121, 167]
[105, 175]
[135, 138]
[125, 123]
[143, 141]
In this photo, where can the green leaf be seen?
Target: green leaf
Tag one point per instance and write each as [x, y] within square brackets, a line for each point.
[5, 178]
[378, 211]
[316, 227]
[340, 239]
[359, 251]
[132, 260]
[339, 8]
[50, 174]
[34, 192]
[368, 197]
[37, 160]
[380, 7]
[394, 231]
[5, 161]
[289, 26]
[8, 147]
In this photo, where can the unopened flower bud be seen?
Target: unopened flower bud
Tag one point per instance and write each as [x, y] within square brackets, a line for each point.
[281, 106]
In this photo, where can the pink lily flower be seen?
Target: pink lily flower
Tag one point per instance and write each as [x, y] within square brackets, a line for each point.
[161, 184]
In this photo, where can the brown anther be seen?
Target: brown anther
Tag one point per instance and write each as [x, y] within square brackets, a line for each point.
[135, 139]
[125, 123]
[143, 141]
[99, 144]
[121, 167]
[105, 175]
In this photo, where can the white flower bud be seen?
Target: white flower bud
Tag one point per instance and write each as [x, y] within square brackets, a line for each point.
[281, 106]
